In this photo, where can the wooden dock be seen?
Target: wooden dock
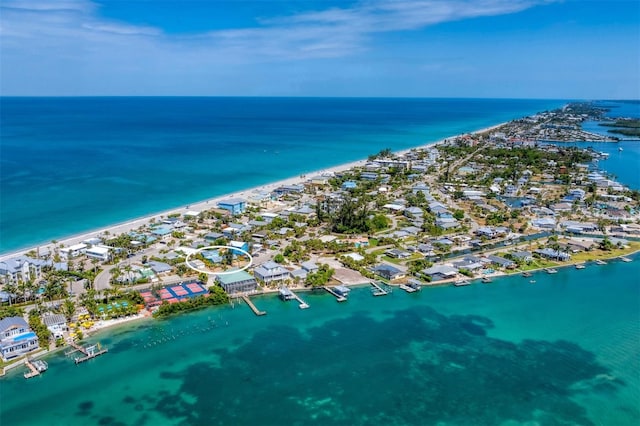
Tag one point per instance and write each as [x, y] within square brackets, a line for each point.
[407, 288]
[33, 371]
[253, 307]
[336, 295]
[378, 290]
[89, 352]
[302, 303]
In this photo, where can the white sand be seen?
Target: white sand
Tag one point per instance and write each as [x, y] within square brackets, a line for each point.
[210, 203]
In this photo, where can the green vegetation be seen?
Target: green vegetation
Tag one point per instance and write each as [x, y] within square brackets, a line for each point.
[11, 311]
[624, 126]
[321, 277]
[39, 328]
[217, 296]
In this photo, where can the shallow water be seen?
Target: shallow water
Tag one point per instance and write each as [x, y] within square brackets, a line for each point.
[564, 350]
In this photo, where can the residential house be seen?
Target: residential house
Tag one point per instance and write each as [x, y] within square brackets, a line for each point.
[440, 272]
[502, 262]
[21, 268]
[309, 266]
[235, 206]
[237, 282]
[387, 271]
[56, 324]
[549, 253]
[16, 338]
[271, 271]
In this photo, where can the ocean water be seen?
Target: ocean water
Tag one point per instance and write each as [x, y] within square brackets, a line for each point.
[71, 165]
[562, 351]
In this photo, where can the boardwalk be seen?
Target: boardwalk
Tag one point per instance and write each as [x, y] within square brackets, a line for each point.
[253, 307]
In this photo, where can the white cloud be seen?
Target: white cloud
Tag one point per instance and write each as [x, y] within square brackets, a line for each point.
[67, 42]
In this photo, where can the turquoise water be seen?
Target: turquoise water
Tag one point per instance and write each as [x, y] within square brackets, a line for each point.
[562, 351]
[71, 165]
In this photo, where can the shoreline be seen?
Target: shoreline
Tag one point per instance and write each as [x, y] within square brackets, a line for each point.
[129, 225]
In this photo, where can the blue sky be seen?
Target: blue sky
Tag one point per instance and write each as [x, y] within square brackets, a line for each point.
[425, 48]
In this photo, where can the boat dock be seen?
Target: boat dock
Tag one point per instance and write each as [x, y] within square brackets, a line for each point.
[35, 368]
[302, 303]
[89, 352]
[407, 288]
[253, 307]
[377, 289]
[338, 297]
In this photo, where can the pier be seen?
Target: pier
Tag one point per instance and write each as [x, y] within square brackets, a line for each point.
[35, 368]
[89, 352]
[407, 288]
[302, 303]
[338, 297]
[377, 290]
[253, 307]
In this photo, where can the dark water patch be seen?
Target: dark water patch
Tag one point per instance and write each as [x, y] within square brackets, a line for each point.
[110, 421]
[415, 367]
[129, 399]
[84, 408]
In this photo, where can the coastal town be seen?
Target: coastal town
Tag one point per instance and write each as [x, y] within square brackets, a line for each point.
[460, 212]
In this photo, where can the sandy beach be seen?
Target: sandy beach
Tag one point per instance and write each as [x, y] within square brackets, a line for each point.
[211, 203]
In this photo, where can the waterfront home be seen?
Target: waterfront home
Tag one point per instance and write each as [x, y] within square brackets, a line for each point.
[16, 338]
[549, 253]
[440, 272]
[162, 232]
[524, 256]
[578, 227]
[544, 223]
[237, 282]
[56, 324]
[21, 268]
[388, 272]
[502, 262]
[271, 271]
[235, 206]
[309, 266]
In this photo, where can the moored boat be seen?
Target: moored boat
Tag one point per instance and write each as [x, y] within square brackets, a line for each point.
[551, 271]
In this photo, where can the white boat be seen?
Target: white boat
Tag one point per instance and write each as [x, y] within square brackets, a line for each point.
[461, 283]
[625, 259]
[600, 262]
[619, 149]
[551, 271]
[580, 266]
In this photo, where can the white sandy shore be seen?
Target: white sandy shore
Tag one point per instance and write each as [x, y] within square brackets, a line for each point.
[210, 203]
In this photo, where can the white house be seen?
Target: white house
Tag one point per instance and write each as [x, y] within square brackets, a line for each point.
[101, 253]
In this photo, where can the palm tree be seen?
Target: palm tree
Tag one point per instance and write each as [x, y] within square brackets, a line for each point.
[68, 309]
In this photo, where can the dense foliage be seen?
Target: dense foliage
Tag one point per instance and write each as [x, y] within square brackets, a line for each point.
[217, 296]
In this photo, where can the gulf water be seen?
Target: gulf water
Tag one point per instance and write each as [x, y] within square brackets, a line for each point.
[70, 165]
[564, 350]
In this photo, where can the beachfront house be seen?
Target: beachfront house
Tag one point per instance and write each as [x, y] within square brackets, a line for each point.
[73, 251]
[16, 338]
[237, 282]
[271, 271]
[235, 206]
